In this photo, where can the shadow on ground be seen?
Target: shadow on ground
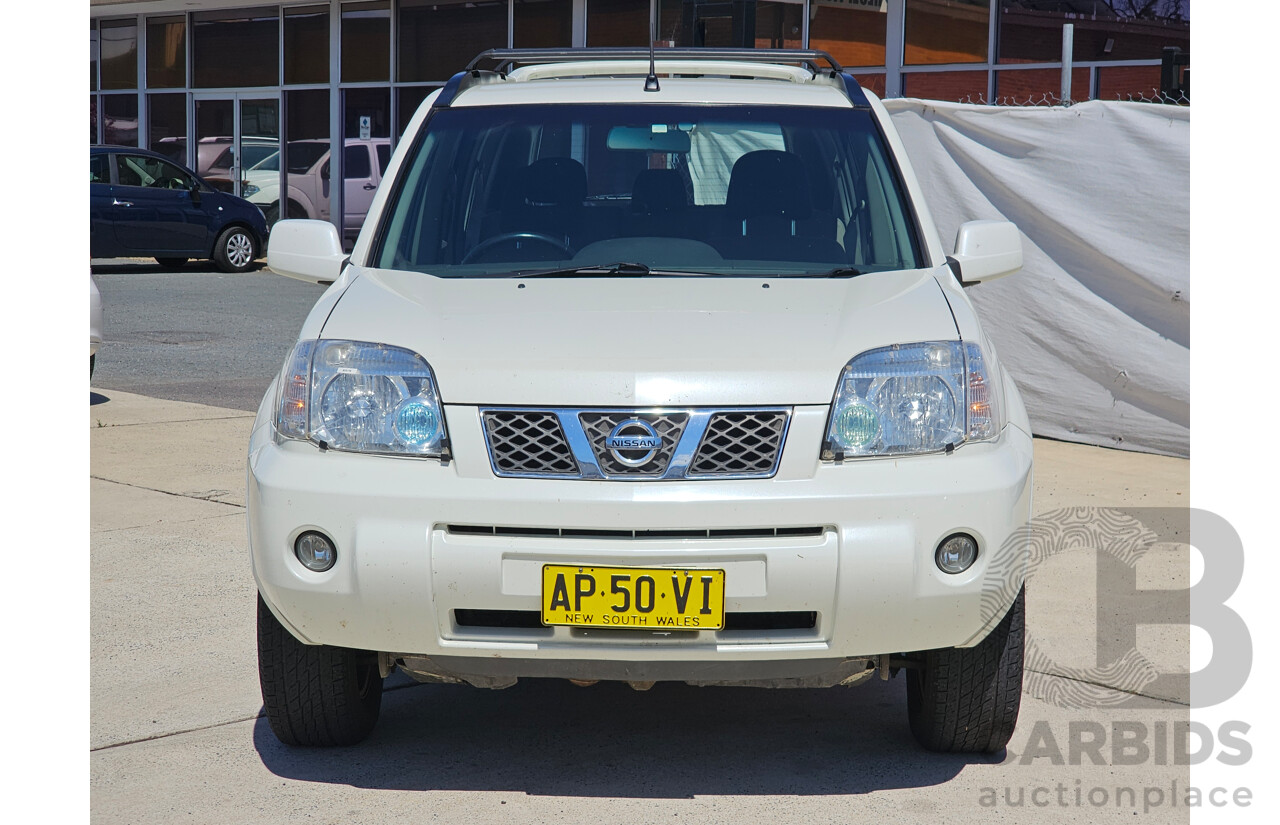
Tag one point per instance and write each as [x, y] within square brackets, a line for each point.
[128, 266]
[550, 738]
[96, 398]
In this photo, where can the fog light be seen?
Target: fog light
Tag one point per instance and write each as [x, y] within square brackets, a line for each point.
[956, 553]
[315, 551]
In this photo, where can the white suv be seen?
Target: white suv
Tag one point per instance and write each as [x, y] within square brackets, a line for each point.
[643, 375]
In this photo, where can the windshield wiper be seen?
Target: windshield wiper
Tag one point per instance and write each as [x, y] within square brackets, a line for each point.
[838, 272]
[622, 268]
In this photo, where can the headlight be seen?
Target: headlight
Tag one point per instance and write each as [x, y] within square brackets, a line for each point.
[913, 398]
[367, 398]
[248, 189]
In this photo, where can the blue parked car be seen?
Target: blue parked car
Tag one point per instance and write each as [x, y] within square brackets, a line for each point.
[141, 204]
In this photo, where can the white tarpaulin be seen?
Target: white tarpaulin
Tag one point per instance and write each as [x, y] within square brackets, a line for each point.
[1096, 327]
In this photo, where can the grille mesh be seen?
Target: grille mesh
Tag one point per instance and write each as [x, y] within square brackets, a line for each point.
[740, 443]
[529, 443]
[668, 425]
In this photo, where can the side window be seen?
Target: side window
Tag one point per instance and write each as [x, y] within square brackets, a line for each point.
[99, 172]
[384, 157]
[355, 162]
[131, 170]
[223, 160]
[140, 170]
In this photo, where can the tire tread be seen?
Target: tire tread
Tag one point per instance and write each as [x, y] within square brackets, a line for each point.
[311, 693]
[966, 700]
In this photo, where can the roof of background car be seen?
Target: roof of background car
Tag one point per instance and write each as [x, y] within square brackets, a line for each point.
[133, 150]
[675, 90]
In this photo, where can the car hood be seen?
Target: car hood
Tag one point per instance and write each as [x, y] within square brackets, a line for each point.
[648, 341]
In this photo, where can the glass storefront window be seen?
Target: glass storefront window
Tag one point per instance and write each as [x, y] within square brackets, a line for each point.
[617, 23]
[306, 44]
[167, 126]
[1031, 32]
[778, 25]
[375, 104]
[306, 156]
[763, 24]
[437, 39]
[366, 42]
[671, 24]
[235, 48]
[118, 43]
[542, 24]
[946, 31]
[120, 120]
[408, 98]
[963, 87]
[166, 52]
[93, 56]
[853, 36]
[215, 142]
[874, 83]
[93, 119]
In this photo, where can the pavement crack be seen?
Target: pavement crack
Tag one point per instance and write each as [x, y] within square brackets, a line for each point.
[261, 714]
[1111, 687]
[243, 415]
[192, 496]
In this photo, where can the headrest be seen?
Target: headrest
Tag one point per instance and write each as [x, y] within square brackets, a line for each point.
[553, 182]
[769, 183]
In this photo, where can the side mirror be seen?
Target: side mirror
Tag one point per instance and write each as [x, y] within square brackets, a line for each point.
[324, 171]
[986, 250]
[307, 250]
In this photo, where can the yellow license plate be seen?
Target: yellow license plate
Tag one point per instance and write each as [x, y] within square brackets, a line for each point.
[637, 598]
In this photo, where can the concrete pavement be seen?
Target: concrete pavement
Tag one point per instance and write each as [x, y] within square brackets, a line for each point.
[176, 736]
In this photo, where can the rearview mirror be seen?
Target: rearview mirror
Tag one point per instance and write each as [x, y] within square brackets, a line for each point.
[986, 250]
[648, 139]
[307, 250]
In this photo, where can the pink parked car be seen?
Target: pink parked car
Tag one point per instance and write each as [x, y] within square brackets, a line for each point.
[364, 163]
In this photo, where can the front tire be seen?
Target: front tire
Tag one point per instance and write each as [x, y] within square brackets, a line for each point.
[315, 695]
[966, 700]
[235, 250]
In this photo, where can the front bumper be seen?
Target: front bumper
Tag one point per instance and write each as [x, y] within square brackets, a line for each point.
[410, 555]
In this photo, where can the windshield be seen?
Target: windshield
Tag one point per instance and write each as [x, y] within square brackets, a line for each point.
[726, 190]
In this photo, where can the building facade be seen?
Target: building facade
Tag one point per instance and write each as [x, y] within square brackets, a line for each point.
[224, 85]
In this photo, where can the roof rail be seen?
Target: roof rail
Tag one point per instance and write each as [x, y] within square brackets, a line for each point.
[506, 59]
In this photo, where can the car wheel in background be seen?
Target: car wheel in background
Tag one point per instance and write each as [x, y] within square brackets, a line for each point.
[315, 695]
[171, 263]
[92, 360]
[965, 700]
[235, 249]
[272, 212]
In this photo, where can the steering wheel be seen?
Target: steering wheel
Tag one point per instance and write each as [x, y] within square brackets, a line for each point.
[508, 237]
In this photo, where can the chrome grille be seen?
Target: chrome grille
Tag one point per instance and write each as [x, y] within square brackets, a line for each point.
[528, 442]
[696, 443]
[598, 425]
[740, 443]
